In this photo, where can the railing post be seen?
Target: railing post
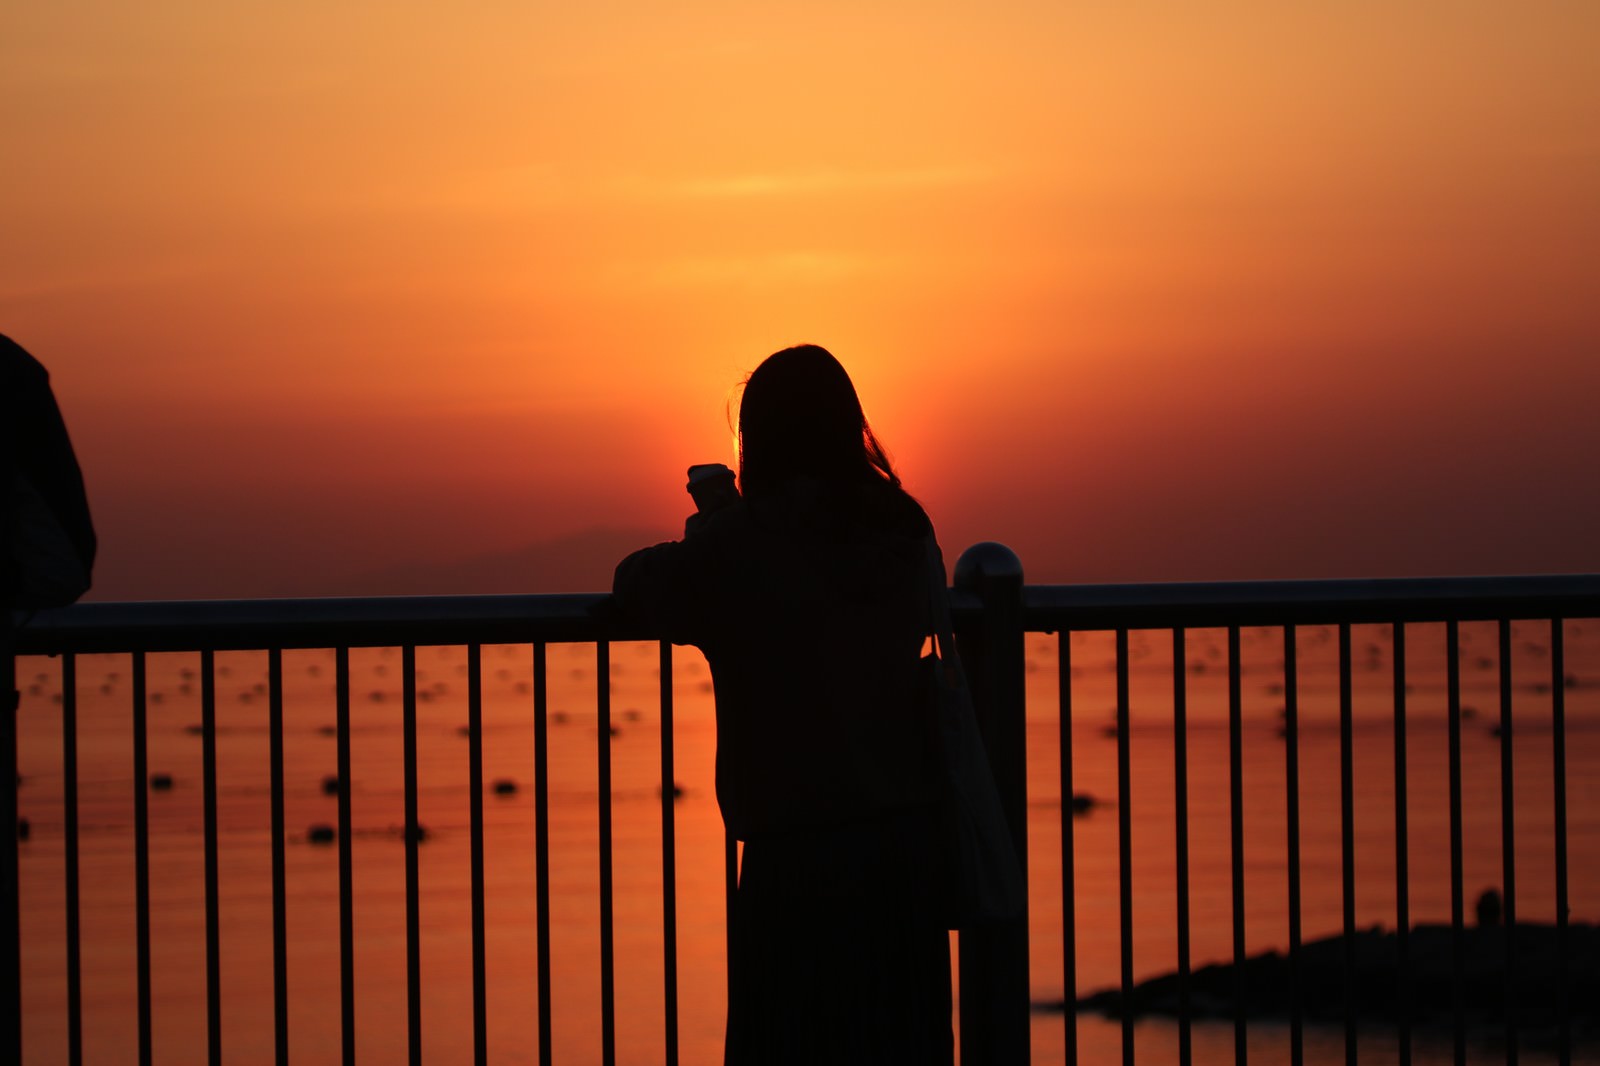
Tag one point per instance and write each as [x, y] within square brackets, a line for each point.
[11, 918]
[994, 960]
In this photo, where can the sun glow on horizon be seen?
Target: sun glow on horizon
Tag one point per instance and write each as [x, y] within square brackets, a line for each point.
[1049, 244]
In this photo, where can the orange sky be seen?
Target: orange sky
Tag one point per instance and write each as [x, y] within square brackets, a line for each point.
[333, 294]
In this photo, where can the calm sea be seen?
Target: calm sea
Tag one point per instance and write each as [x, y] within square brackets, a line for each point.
[177, 898]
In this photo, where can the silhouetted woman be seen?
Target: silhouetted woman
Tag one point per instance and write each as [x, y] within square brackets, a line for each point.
[809, 595]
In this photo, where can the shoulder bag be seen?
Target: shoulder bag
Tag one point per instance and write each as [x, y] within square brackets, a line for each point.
[984, 878]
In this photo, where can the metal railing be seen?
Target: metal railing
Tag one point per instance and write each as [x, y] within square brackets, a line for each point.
[208, 627]
[1288, 607]
[994, 613]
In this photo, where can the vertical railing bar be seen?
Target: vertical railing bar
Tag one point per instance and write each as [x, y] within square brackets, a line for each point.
[10, 853]
[280, 921]
[1558, 722]
[1236, 832]
[347, 946]
[1457, 904]
[1402, 851]
[730, 873]
[608, 986]
[69, 798]
[669, 861]
[208, 733]
[141, 854]
[480, 984]
[413, 835]
[1291, 775]
[1069, 915]
[541, 841]
[1180, 784]
[1124, 847]
[1508, 842]
[1347, 839]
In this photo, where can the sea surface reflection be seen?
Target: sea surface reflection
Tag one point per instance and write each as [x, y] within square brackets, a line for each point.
[107, 787]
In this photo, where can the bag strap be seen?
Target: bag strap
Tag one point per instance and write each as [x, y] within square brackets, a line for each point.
[939, 600]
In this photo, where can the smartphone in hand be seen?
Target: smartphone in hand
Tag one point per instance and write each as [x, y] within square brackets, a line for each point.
[712, 487]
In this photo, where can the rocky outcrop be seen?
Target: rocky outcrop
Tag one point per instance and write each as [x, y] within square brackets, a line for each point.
[1426, 989]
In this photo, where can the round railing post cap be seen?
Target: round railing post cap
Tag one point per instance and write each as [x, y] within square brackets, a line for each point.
[988, 560]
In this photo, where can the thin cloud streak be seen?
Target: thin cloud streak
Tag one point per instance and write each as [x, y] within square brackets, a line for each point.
[768, 268]
[827, 182]
[542, 185]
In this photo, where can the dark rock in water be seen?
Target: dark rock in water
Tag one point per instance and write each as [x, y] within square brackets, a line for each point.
[1380, 989]
[1489, 907]
[321, 834]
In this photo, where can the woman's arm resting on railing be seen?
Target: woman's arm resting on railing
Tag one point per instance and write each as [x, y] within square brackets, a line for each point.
[676, 588]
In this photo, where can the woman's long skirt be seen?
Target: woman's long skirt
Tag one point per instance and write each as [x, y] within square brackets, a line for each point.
[837, 954]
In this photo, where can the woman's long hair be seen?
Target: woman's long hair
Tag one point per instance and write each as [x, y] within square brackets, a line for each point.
[800, 417]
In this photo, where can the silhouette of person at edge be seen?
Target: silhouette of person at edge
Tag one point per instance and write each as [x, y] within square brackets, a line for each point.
[808, 594]
[47, 541]
[47, 548]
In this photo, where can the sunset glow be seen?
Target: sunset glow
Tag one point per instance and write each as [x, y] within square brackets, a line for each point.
[1183, 292]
